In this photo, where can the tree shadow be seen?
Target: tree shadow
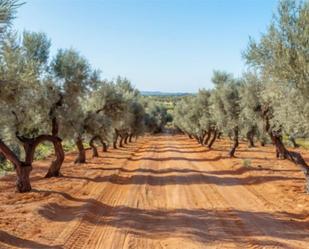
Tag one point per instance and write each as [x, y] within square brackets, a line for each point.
[11, 240]
[118, 157]
[201, 151]
[238, 171]
[161, 159]
[255, 150]
[152, 171]
[187, 179]
[252, 158]
[175, 147]
[243, 170]
[204, 225]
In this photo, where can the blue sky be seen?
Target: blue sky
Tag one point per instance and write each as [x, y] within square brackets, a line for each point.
[164, 45]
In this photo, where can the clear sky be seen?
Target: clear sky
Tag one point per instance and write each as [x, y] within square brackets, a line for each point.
[164, 45]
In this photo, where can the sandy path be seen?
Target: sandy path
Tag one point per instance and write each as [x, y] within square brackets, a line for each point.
[166, 192]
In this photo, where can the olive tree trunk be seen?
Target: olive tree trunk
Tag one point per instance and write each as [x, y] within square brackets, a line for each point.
[207, 137]
[23, 168]
[104, 147]
[81, 158]
[130, 138]
[281, 151]
[201, 139]
[93, 147]
[23, 178]
[213, 139]
[30, 145]
[235, 143]
[126, 138]
[115, 142]
[250, 138]
[54, 169]
[121, 142]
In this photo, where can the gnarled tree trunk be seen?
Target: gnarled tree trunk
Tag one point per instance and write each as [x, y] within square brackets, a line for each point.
[130, 138]
[250, 138]
[121, 142]
[93, 147]
[213, 139]
[126, 138]
[116, 139]
[200, 140]
[115, 144]
[54, 169]
[104, 146]
[207, 137]
[293, 156]
[235, 144]
[23, 178]
[30, 145]
[81, 158]
[276, 139]
[23, 169]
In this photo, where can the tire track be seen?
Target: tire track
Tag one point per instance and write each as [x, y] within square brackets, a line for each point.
[163, 198]
[79, 235]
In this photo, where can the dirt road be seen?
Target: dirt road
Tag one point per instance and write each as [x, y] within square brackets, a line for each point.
[161, 192]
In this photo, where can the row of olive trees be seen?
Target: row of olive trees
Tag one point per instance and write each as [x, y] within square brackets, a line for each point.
[270, 101]
[47, 99]
[229, 108]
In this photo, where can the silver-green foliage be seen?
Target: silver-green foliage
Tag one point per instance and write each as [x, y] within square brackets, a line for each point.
[24, 92]
[226, 101]
[281, 58]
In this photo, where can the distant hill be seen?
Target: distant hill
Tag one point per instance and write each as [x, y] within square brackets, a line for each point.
[158, 93]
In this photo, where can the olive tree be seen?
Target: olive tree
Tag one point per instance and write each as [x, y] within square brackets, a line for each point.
[26, 102]
[206, 121]
[98, 127]
[193, 116]
[282, 52]
[226, 106]
[250, 98]
[190, 117]
[109, 101]
[75, 80]
[180, 120]
[281, 57]
[156, 117]
[133, 114]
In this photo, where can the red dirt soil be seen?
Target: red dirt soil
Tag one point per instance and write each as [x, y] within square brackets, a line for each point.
[160, 192]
